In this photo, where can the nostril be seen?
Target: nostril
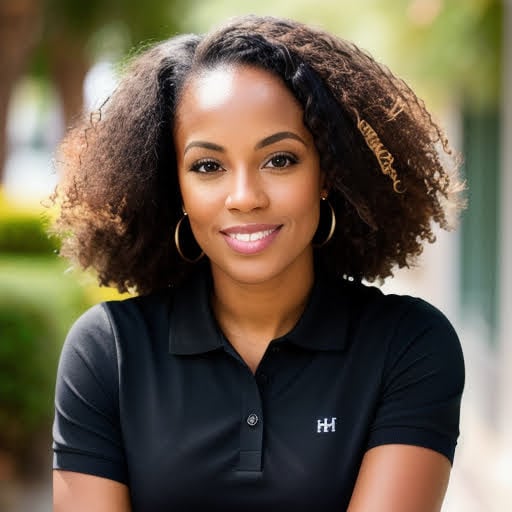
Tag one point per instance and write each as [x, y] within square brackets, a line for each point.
[247, 199]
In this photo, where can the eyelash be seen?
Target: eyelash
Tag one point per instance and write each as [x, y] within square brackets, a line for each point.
[196, 166]
[290, 158]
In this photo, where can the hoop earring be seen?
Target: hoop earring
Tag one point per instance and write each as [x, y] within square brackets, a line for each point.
[177, 242]
[333, 225]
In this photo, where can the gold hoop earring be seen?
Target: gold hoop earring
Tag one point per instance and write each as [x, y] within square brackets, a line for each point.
[332, 227]
[177, 242]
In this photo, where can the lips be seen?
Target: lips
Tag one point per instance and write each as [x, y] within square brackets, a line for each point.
[251, 238]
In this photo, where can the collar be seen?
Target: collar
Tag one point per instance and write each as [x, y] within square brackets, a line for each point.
[324, 323]
[322, 327]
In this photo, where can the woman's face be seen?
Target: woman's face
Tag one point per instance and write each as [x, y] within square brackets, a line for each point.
[249, 174]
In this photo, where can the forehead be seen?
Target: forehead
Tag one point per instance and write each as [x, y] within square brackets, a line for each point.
[209, 88]
[236, 94]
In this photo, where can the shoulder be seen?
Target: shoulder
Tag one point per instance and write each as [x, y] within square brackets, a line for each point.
[390, 328]
[100, 340]
[104, 325]
[395, 313]
[142, 312]
[415, 338]
[413, 364]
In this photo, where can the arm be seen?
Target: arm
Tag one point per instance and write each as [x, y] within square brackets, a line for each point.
[412, 439]
[400, 478]
[90, 471]
[78, 492]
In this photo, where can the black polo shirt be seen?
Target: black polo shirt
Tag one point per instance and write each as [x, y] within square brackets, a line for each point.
[150, 393]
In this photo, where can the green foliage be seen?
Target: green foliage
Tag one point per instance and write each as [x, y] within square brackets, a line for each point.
[82, 17]
[39, 301]
[79, 17]
[460, 49]
[23, 231]
[28, 355]
[104, 28]
[151, 19]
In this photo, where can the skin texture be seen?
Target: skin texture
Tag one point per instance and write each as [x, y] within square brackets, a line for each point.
[260, 173]
[83, 493]
[252, 183]
[235, 174]
[400, 478]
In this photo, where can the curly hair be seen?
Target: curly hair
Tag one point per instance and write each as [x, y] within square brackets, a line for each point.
[389, 168]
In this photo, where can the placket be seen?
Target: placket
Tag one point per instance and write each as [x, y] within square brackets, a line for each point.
[251, 428]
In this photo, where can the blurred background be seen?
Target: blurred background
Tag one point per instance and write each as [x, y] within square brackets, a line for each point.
[59, 56]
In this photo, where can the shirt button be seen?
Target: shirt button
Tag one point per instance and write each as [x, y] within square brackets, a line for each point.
[275, 349]
[252, 419]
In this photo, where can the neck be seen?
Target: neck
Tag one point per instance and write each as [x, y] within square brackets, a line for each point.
[252, 315]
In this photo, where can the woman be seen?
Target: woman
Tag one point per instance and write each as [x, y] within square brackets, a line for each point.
[244, 183]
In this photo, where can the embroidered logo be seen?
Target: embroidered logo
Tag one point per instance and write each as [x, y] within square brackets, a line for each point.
[325, 425]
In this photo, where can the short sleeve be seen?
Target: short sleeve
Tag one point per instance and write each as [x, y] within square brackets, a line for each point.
[422, 383]
[86, 430]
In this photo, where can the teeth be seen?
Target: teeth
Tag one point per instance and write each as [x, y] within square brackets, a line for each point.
[251, 237]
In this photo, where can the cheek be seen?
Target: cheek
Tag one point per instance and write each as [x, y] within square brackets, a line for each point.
[200, 219]
[203, 205]
[303, 199]
[201, 215]
[195, 197]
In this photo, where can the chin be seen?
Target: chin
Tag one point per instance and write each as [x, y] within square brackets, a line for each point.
[251, 272]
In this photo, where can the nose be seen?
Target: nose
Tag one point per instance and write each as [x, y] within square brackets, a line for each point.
[247, 191]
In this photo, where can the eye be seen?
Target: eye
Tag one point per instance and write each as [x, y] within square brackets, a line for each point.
[205, 166]
[281, 160]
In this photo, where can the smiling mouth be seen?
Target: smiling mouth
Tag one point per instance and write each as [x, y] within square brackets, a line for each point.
[251, 237]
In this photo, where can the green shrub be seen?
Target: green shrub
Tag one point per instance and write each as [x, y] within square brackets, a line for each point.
[40, 297]
[28, 358]
[39, 300]
[24, 233]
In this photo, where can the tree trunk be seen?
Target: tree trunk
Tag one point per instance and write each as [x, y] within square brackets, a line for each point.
[20, 30]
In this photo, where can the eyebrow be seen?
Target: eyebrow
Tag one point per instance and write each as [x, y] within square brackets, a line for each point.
[267, 141]
[203, 144]
[276, 137]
